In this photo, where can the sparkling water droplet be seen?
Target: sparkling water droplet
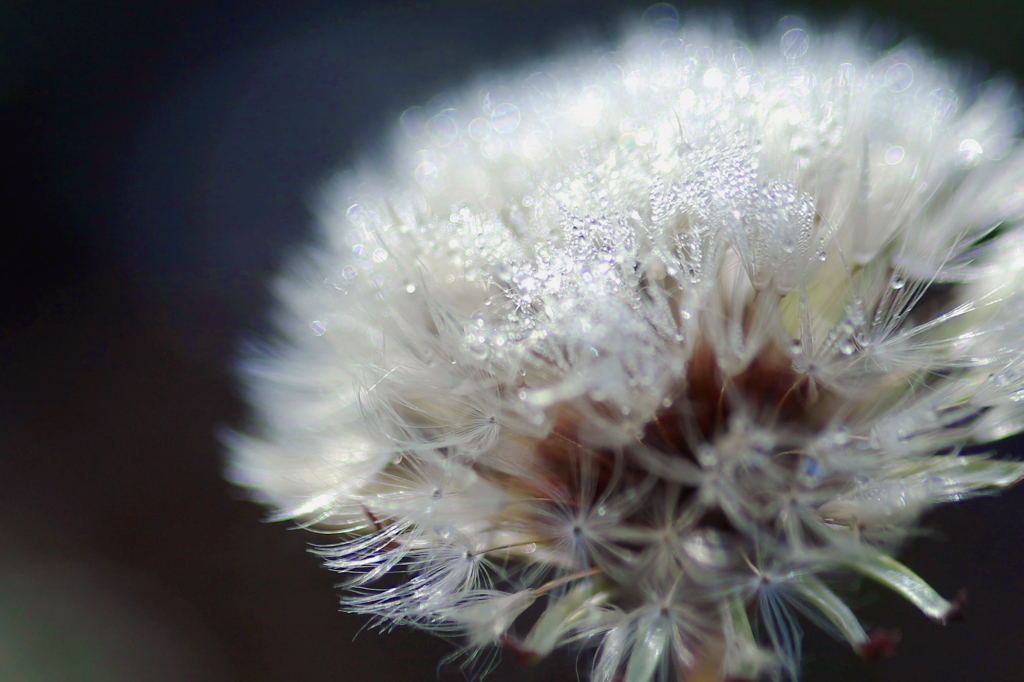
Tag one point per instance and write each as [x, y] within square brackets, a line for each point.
[942, 103]
[318, 327]
[355, 213]
[811, 472]
[445, 532]
[662, 16]
[794, 43]
[899, 77]
[706, 547]
[479, 129]
[413, 121]
[894, 155]
[970, 153]
[505, 118]
[425, 172]
[742, 57]
[409, 287]
[846, 347]
[841, 436]
[796, 347]
[713, 79]
[898, 283]
[443, 129]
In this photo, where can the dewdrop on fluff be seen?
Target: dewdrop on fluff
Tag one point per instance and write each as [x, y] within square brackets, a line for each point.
[644, 351]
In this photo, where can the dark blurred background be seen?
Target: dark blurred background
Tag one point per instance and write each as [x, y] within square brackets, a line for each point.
[159, 158]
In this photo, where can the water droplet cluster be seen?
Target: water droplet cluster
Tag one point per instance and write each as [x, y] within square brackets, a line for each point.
[646, 343]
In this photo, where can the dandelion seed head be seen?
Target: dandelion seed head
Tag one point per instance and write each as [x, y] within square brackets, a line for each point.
[652, 344]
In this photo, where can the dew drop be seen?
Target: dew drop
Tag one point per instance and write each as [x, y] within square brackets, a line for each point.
[894, 155]
[425, 172]
[795, 43]
[355, 214]
[661, 16]
[942, 103]
[505, 118]
[742, 57]
[846, 347]
[443, 129]
[811, 472]
[479, 129]
[970, 153]
[412, 121]
[796, 347]
[409, 287]
[899, 77]
[444, 532]
[898, 283]
[713, 79]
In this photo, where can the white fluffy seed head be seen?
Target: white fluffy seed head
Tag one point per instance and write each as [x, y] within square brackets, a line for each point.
[636, 346]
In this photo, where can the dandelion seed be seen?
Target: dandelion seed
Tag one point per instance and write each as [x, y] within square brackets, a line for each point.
[642, 354]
